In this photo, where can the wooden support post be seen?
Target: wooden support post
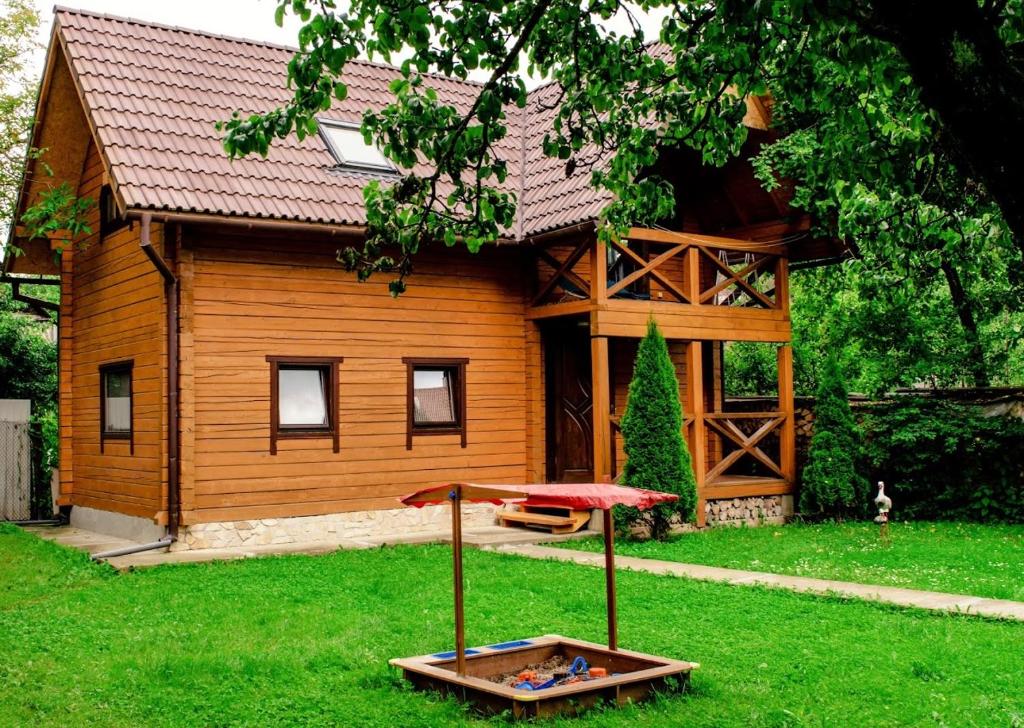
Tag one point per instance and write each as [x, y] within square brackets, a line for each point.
[695, 409]
[598, 272]
[601, 411]
[460, 621]
[787, 434]
[609, 577]
[782, 284]
[691, 275]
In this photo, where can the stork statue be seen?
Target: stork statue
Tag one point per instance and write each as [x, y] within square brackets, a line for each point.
[884, 505]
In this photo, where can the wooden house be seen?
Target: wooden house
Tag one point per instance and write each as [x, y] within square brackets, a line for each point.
[222, 376]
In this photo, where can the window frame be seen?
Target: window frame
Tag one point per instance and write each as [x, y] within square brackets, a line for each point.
[458, 365]
[109, 226]
[289, 432]
[339, 158]
[117, 367]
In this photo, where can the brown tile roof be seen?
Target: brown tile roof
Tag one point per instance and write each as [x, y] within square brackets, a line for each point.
[154, 92]
[550, 199]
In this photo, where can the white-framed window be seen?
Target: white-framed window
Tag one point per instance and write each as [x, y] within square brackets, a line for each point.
[345, 142]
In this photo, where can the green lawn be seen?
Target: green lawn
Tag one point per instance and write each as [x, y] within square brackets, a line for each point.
[960, 558]
[305, 641]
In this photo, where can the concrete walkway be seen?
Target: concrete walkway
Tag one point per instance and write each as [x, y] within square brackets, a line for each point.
[522, 542]
[93, 543]
[937, 601]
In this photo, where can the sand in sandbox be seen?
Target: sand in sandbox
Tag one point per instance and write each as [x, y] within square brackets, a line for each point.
[557, 665]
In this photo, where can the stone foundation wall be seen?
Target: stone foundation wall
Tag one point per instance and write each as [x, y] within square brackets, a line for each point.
[332, 528]
[759, 511]
[768, 510]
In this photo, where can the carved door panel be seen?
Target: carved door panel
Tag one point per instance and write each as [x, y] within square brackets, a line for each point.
[569, 406]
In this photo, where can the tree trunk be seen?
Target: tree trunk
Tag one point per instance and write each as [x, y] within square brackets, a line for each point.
[968, 76]
[965, 312]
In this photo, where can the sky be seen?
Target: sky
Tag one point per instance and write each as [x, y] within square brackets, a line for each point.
[241, 18]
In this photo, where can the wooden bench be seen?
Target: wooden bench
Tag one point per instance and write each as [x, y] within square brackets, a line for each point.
[554, 519]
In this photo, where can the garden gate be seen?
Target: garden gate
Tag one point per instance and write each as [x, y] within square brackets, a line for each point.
[15, 460]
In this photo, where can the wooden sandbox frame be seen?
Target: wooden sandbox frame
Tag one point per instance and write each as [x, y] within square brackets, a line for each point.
[465, 674]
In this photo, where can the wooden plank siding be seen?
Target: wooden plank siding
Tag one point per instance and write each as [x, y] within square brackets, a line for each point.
[252, 297]
[111, 310]
[536, 421]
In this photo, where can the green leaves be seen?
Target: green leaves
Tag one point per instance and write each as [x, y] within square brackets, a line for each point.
[58, 212]
[831, 484]
[850, 134]
[28, 362]
[19, 22]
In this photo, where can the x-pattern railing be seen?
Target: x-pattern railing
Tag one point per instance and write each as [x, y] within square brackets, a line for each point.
[649, 268]
[744, 280]
[724, 423]
[752, 282]
[564, 277]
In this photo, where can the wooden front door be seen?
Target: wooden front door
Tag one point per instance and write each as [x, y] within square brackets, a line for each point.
[570, 429]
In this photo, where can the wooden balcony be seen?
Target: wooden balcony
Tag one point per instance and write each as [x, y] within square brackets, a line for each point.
[699, 289]
[696, 286]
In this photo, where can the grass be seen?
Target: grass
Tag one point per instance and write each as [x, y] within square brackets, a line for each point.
[32, 569]
[305, 641]
[960, 558]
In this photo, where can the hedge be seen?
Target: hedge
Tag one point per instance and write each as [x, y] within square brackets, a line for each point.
[945, 460]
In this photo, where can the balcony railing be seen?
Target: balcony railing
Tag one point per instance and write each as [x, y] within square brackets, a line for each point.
[658, 265]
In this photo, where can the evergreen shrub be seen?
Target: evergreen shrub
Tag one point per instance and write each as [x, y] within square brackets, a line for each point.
[656, 455]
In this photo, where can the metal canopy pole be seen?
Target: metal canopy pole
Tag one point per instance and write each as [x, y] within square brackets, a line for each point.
[609, 575]
[460, 626]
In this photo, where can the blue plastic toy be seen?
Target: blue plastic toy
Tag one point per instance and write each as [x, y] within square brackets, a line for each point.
[579, 666]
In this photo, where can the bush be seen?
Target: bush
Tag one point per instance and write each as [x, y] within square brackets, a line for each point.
[945, 460]
[28, 362]
[832, 487]
[656, 456]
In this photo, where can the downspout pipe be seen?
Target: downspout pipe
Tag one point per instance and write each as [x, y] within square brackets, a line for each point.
[161, 543]
[173, 389]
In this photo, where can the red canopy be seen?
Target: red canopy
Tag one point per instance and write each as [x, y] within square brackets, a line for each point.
[582, 496]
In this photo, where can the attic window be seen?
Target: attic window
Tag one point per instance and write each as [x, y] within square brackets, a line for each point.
[350, 150]
[110, 217]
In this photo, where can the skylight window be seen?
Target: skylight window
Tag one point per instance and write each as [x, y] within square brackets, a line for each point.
[346, 144]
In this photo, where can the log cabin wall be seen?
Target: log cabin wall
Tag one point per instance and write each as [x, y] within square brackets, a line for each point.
[252, 297]
[111, 311]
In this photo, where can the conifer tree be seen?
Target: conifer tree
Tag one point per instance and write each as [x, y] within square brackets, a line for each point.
[657, 458]
[832, 487]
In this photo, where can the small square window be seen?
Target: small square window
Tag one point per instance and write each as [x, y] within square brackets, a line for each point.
[436, 394]
[346, 143]
[303, 398]
[116, 403]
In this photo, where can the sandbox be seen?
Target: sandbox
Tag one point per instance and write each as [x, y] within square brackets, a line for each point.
[632, 676]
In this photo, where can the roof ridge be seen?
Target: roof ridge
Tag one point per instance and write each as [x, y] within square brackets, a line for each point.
[237, 39]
